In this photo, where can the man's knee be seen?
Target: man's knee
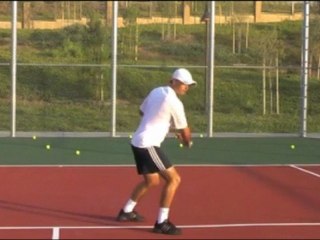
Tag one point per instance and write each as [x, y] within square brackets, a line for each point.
[177, 179]
[174, 179]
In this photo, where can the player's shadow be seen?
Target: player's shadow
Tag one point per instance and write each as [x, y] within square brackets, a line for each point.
[69, 215]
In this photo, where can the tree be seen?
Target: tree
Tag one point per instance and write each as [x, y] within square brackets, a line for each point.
[132, 40]
[269, 47]
[26, 14]
[96, 48]
[315, 44]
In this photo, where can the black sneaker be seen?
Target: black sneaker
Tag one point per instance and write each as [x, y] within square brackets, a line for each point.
[166, 228]
[129, 217]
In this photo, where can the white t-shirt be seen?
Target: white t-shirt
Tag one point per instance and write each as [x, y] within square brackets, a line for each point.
[161, 109]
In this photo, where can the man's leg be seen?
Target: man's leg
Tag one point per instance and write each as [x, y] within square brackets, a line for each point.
[150, 180]
[163, 225]
[173, 180]
[127, 213]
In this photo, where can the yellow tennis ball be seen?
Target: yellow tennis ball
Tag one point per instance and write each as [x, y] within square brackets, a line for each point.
[34, 137]
[201, 135]
[48, 146]
[181, 145]
[78, 152]
[293, 146]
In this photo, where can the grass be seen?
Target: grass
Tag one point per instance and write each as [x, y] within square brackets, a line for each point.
[78, 99]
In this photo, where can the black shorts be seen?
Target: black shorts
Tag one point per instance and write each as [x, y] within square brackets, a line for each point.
[150, 160]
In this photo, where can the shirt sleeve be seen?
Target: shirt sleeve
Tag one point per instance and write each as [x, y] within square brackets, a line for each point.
[143, 105]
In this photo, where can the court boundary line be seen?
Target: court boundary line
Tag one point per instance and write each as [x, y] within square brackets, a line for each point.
[230, 225]
[305, 171]
[56, 233]
[177, 165]
[57, 229]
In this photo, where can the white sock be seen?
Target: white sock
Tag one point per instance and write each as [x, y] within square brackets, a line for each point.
[129, 206]
[163, 215]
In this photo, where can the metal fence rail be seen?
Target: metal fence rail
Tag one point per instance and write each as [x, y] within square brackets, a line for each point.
[115, 68]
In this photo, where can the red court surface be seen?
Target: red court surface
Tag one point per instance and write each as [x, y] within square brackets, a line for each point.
[213, 202]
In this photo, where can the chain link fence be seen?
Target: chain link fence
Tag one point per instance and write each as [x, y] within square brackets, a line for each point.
[64, 65]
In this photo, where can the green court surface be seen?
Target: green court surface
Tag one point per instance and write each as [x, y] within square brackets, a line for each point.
[107, 150]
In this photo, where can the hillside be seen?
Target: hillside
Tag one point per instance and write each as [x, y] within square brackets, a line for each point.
[64, 79]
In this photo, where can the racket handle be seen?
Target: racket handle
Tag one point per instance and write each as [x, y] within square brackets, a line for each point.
[190, 144]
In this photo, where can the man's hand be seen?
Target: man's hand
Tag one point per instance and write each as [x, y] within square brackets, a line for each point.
[184, 136]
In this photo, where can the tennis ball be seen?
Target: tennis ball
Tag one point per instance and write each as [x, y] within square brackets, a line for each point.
[130, 136]
[78, 152]
[48, 146]
[181, 145]
[293, 146]
[201, 135]
[34, 137]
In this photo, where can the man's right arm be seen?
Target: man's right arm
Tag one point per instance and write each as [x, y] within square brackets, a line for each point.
[184, 135]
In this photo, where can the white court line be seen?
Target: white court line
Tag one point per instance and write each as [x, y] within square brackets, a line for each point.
[306, 171]
[56, 233]
[57, 229]
[133, 165]
[203, 225]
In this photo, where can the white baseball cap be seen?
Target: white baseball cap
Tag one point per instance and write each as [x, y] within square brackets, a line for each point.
[184, 76]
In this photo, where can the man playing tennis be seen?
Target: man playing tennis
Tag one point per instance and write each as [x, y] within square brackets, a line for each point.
[160, 111]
